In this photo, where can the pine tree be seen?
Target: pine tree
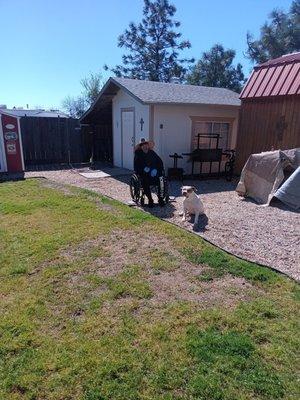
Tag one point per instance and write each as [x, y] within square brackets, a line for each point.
[215, 69]
[153, 45]
[278, 37]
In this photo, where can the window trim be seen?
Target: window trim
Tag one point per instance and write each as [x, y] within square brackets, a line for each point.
[226, 120]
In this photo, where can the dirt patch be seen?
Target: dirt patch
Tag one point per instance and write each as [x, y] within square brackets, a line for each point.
[109, 254]
[181, 286]
[83, 248]
[169, 275]
[57, 186]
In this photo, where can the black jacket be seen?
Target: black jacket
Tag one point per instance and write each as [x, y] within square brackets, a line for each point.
[149, 159]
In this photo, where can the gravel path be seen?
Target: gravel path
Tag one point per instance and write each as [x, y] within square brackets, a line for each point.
[267, 235]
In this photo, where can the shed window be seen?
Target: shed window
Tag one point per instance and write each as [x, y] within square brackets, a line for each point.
[211, 128]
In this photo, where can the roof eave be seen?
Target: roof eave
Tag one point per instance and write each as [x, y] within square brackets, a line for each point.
[127, 91]
[189, 104]
[271, 97]
[95, 102]
[2, 112]
[106, 85]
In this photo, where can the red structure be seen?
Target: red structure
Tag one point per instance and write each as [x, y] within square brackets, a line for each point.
[270, 110]
[11, 153]
[278, 77]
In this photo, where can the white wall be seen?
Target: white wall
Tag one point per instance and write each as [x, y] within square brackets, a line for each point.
[175, 135]
[121, 101]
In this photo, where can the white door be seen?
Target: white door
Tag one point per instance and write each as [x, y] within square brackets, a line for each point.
[128, 138]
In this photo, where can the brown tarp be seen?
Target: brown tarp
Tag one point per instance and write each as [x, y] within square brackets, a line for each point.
[263, 173]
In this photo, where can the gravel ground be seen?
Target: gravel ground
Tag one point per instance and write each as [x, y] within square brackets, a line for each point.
[267, 235]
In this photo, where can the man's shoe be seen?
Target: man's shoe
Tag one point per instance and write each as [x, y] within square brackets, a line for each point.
[161, 202]
[151, 203]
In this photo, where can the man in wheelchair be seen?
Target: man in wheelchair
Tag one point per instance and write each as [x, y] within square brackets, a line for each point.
[149, 167]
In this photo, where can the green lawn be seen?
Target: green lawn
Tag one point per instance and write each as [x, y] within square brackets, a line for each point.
[99, 301]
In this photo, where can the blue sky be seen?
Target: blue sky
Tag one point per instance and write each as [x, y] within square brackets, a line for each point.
[48, 46]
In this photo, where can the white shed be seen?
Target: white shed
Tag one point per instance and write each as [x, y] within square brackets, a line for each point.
[170, 114]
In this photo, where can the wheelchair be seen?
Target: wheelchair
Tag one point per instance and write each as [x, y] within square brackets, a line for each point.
[137, 191]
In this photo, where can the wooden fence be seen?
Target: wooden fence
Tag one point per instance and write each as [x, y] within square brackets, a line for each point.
[53, 141]
[102, 143]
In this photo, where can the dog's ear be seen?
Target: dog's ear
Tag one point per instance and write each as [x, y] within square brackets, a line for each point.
[194, 188]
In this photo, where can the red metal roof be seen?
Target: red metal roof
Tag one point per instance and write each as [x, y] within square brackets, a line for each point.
[278, 77]
[283, 59]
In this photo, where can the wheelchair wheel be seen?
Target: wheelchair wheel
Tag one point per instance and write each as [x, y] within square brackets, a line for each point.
[135, 188]
[162, 187]
[165, 191]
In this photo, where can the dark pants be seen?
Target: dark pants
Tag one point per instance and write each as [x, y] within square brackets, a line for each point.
[148, 181]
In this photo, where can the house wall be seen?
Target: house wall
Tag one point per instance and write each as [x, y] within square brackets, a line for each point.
[172, 128]
[267, 124]
[124, 101]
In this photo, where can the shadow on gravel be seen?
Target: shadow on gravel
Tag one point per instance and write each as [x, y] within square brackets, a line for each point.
[202, 223]
[165, 212]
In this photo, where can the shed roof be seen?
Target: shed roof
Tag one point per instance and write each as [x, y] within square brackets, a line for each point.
[277, 77]
[33, 113]
[149, 92]
[174, 93]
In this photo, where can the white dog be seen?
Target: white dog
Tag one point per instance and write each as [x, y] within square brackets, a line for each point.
[192, 203]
